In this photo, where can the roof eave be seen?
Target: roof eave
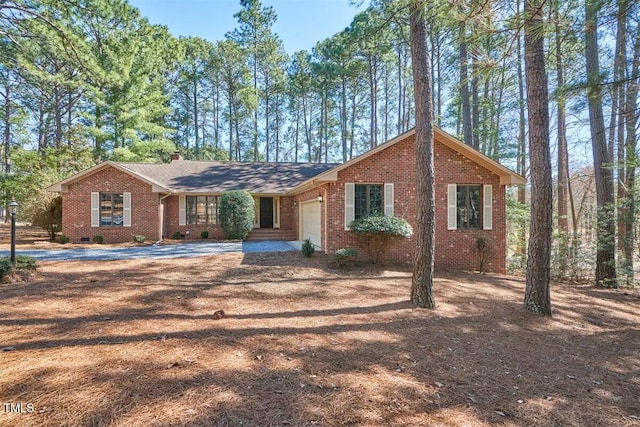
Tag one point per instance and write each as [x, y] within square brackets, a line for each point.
[63, 186]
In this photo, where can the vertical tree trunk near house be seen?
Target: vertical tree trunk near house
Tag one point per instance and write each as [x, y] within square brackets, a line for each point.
[386, 103]
[438, 84]
[537, 296]
[400, 88]
[467, 130]
[563, 155]
[216, 120]
[6, 135]
[57, 114]
[196, 123]
[344, 118]
[605, 257]
[97, 148]
[276, 135]
[230, 132]
[618, 128]
[631, 121]
[422, 281]
[475, 103]
[267, 115]
[521, 162]
[297, 138]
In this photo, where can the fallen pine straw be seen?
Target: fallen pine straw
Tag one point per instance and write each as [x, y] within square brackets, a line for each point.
[135, 343]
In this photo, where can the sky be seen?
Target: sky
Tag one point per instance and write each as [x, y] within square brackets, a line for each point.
[300, 23]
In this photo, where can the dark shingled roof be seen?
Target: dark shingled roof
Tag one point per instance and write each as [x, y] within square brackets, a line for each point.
[186, 176]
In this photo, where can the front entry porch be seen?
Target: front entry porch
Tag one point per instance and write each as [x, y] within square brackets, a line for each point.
[266, 212]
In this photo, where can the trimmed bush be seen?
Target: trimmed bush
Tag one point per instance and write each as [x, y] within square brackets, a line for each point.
[98, 239]
[139, 238]
[5, 266]
[377, 232]
[176, 235]
[341, 257]
[236, 214]
[204, 234]
[24, 265]
[307, 248]
[62, 239]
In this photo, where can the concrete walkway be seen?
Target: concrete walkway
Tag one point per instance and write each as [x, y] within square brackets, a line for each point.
[185, 250]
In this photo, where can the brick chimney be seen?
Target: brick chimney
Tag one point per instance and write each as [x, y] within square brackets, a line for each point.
[176, 156]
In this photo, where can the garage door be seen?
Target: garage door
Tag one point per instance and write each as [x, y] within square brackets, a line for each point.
[310, 213]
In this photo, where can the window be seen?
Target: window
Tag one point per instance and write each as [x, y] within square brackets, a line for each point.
[468, 206]
[368, 200]
[202, 209]
[111, 209]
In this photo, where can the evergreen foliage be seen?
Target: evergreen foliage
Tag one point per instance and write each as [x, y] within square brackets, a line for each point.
[378, 232]
[236, 214]
[307, 248]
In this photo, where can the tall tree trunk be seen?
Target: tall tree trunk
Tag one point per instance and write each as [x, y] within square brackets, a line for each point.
[618, 129]
[563, 155]
[631, 120]
[522, 146]
[438, 84]
[537, 296]
[297, 137]
[422, 281]
[467, 127]
[605, 258]
[277, 127]
[344, 118]
[373, 96]
[6, 136]
[475, 103]
[400, 89]
[196, 123]
[216, 120]
[386, 103]
[57, 114]
[267, 114]
[99, 138]
[230, 131]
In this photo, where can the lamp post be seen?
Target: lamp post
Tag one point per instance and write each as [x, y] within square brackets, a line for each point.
[13, 210]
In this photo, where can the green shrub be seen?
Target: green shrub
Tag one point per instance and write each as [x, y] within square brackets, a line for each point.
[176, 235]
[62, 239]
[24, 265]
[236, 214]
[341, 257]
[98, 239]
[5, 266]
[307, 248]
[204, 234]
[139, 238]
[377, 232]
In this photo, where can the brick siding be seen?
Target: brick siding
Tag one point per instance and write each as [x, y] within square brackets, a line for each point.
[76, 207]
[455, 249]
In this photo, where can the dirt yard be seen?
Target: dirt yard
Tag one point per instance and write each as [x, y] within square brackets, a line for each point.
[302, 344]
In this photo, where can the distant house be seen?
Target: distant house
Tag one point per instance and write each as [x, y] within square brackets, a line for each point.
[296, 201]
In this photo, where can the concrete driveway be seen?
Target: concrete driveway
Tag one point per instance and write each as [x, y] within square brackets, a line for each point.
[185, 250]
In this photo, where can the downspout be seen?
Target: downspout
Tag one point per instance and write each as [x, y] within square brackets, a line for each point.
[161, 217]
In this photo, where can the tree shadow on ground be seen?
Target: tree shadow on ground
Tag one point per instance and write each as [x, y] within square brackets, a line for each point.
[356, 353]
